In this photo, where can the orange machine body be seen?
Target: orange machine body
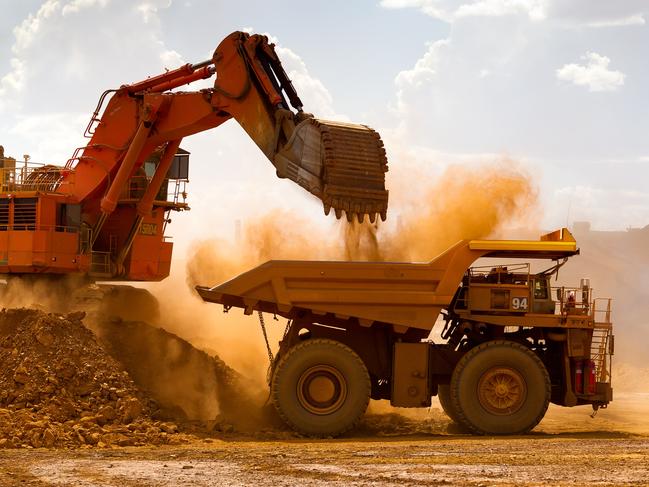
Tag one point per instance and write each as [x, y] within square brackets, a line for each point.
[105, 213]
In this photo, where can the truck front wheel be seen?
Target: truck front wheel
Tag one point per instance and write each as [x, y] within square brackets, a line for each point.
[444, 397]
[500, 387]
[321, 388]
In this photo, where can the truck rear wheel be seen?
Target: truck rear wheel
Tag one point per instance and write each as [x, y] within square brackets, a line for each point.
[500, 387]
[321, 388]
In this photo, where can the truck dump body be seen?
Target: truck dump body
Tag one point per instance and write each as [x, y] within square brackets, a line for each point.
[406, 295]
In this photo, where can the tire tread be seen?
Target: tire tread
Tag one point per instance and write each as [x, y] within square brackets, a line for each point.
[466, 358]
[282, 364]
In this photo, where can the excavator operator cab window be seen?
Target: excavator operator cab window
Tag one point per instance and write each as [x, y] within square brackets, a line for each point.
[149, 169]
[180, 166]
[68, 217]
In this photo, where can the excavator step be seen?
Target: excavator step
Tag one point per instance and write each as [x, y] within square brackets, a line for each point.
[343, 164]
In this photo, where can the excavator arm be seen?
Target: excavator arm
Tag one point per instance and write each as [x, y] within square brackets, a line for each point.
[342, 164]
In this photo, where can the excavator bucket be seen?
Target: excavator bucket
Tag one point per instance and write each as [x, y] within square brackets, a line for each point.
[343, 164]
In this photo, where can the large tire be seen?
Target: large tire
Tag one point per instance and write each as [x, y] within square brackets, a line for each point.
[321, 388]
[500, 388]
[444, 397]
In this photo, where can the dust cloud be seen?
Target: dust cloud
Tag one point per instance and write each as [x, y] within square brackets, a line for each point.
[465, 202]
[616, 263]
[279, 234]
[51, 293]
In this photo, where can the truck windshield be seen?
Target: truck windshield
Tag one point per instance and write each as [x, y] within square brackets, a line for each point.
[540, 289]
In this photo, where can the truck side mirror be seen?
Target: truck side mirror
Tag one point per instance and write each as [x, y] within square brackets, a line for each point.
[559, 295]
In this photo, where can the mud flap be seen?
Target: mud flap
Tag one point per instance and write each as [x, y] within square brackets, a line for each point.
[410, 375]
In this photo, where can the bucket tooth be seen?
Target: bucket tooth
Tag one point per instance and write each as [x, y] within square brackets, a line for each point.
[343, 164]
[384, 215]
[350, 216]
[372, 217]
[360, 217]
[327, 209]
[339, 213]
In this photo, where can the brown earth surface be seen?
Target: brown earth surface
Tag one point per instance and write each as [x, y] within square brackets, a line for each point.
[130, 404]
[556, 454]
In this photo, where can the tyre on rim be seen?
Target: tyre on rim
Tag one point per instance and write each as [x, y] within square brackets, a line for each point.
[444, 397]
[500, 387]
[321, 387]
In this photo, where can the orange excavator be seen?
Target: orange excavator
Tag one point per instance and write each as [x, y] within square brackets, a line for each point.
[104, 214]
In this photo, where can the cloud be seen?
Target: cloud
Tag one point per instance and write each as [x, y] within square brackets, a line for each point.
[636, 19]
[598, 13]
[12, 83]
[171, 59]
[534, 9]
[75, 5]
[425, 68]
[51, 134]
[588, 13]
[594, 74]
[84, 47]
[314, 94]
[64, 55]
[149, 9]
[449, 10]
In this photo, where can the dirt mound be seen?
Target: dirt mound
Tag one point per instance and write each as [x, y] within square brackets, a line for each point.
[187, 383]
[58, 387]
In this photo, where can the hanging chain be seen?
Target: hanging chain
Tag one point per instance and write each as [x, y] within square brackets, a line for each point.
[263, 330]
[288, 326]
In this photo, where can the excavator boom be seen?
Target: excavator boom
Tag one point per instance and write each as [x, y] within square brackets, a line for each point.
[105, 213]
[343, 164]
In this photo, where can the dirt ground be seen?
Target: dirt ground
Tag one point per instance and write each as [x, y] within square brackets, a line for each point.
[416, 448]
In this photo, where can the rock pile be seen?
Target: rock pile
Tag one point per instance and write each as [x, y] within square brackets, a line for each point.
[59, 388]
[187, 383]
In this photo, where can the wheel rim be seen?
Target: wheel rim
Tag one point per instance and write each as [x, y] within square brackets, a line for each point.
[502, 391]
[322, 389]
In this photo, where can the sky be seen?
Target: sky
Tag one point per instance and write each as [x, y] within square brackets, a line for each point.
[560, 85]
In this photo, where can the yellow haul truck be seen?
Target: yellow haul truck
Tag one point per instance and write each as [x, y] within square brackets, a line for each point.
[511, 342]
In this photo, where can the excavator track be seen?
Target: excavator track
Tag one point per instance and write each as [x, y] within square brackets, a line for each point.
[343, 164]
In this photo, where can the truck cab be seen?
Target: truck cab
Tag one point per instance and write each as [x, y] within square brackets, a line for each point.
[505, 289]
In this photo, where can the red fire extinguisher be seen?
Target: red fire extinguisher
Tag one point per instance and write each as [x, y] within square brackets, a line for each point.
[579, 376]
[590, 368]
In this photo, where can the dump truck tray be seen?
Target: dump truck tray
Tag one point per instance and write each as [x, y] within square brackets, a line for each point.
[403, 294]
